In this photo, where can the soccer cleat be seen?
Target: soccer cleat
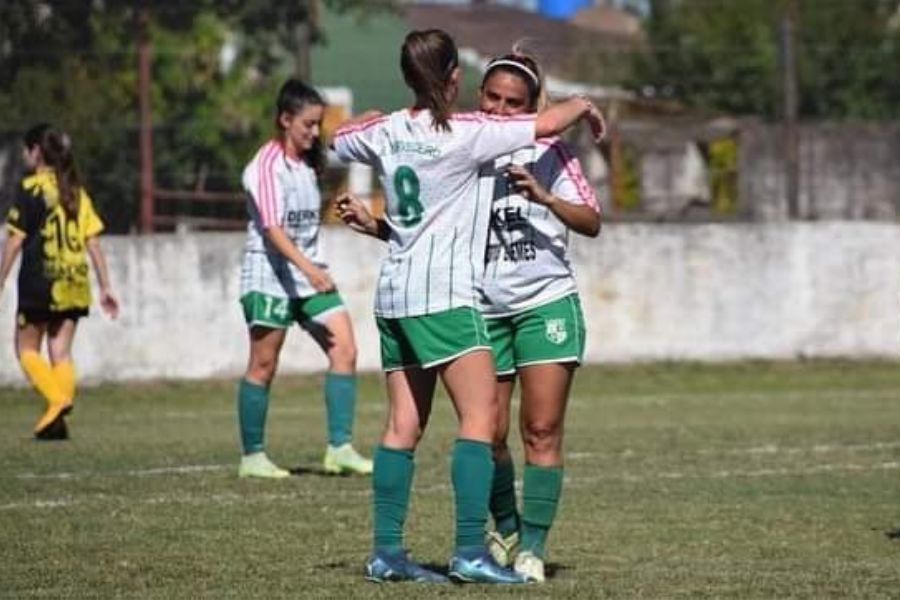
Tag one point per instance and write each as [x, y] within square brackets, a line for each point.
[531, 566]
[481, 569]
[55, 431]
[345, 459]
[384, 566]
[49, 421]
[259, 465]
[503, 548]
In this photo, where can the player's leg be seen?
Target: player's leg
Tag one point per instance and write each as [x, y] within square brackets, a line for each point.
[410, 393]
[545, 391]
[549, 346]
[29, 337]
[503, 541]
[471, 381]
[60, 335]
[329, 323]
[253, 402]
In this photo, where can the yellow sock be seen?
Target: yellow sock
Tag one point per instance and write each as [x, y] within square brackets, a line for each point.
[42, 378]
[65, 378]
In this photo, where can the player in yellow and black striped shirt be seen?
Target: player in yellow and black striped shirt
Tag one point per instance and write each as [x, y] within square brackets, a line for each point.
[53, 224]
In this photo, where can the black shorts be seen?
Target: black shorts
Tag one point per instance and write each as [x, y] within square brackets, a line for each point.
[37, 316]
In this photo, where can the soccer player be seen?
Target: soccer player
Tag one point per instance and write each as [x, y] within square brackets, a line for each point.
[428, 158]
[532, 310]
[53, 224]
[284, 279]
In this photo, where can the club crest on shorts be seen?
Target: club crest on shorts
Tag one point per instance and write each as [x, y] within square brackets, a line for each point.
[556, 330]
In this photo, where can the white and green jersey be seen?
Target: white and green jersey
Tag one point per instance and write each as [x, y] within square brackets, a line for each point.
[527, 262]
[437, 217]
[281, 193]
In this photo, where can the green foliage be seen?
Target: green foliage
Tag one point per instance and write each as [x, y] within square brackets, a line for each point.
[723, 55]
[75, 64]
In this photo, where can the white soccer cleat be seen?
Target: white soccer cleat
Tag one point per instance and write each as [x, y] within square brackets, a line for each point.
[259, 465]
[345, 459]
[503, 549]
[531, 566]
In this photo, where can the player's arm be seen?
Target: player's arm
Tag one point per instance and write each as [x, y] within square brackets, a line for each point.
[558, 117]
[580, 218]
[319, 278]
[11, 249]
[108, 301]
[357, 217]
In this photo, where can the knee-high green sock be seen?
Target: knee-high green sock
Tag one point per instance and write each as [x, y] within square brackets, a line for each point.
[472, 470]
[391, 484]
[540, 492]
[503, 498]
[253, 404]
[340, 404]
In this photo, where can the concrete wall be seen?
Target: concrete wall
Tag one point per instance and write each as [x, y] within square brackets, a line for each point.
[705, 292]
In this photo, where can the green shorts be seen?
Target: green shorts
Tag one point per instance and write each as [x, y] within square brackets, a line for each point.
[430, 340]
[279, 313]
[550, 333]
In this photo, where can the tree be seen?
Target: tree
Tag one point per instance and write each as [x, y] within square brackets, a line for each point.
[722, 55]
[217, 64]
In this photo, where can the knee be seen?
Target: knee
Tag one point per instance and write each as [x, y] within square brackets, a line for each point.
[343, 356]
[262, 369]
[403, 432]
[542, 438]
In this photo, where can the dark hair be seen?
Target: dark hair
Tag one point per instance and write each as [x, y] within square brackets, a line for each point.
[293, 97]
[427, 60]
[56, 150]
[525, 68]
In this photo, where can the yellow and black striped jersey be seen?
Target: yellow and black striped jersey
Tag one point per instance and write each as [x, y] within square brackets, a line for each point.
[54, 271]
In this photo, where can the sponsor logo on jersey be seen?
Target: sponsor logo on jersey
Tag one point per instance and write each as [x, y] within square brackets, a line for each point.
[405, 147]
[556, 330]
[295, 217]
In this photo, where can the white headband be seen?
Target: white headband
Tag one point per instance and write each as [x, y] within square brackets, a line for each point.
[517, 65]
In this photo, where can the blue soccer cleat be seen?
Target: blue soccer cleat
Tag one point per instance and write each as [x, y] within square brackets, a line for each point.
[386, 566]
[482, 569]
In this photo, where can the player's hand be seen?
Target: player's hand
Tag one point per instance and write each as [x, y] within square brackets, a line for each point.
[355, 214]
[319, 279]
[523, 182]
[596, 122]
[109, 303]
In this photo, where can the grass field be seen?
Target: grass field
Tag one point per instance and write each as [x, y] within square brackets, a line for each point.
[742, 480]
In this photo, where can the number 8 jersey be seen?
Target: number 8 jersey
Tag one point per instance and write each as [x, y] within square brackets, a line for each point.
[437, 213]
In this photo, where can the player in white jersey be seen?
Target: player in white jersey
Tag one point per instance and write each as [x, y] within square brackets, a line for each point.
[531, 306]
[427, 158]
[284, 279]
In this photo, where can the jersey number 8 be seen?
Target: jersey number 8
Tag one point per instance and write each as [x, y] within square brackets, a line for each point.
[406, 184]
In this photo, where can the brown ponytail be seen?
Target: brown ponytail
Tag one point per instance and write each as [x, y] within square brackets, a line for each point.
[427, 60]
[56, 151]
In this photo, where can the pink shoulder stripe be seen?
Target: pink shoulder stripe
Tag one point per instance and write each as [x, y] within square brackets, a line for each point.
[357, 127]
[573, 170]
[266, 202]
[481, 117]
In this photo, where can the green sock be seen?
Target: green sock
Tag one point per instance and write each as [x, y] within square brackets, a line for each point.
[391, 483]
[540, 492]
[253, 404]
[340, 404]
[472, 470]
[503, 498]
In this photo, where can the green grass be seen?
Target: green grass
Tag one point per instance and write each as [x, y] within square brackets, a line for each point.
[744, 480]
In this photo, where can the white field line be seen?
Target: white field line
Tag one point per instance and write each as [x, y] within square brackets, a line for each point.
[764, 450]
[232, 498]
[768, 449]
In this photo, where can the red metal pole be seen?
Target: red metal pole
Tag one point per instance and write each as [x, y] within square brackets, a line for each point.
[146, 118]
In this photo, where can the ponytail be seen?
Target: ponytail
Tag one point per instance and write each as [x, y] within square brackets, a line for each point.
[56, 151]
[427, 60]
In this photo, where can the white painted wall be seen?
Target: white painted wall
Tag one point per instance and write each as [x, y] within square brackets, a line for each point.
[704, 292]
